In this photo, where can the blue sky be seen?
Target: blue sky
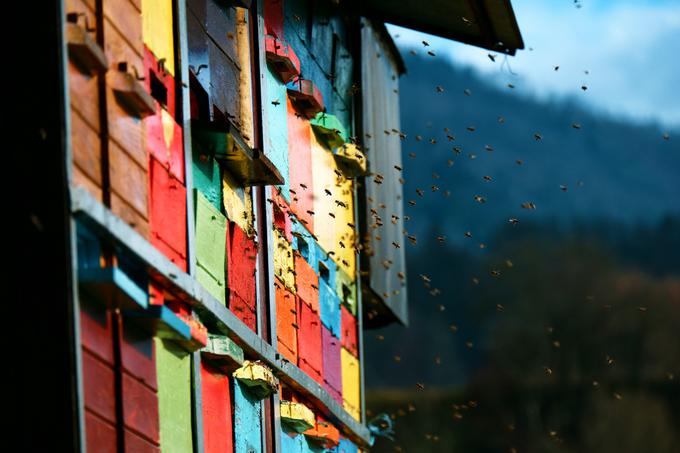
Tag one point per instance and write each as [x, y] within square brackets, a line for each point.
[630, 48]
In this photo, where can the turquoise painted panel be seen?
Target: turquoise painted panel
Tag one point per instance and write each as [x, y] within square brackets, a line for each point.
[206, 174]
[329, 307]
[276, 129]
[247, 420]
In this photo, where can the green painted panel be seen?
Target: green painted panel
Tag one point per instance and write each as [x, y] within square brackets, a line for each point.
[346, 288]
[209, 282]
[173, 367]
[211, 238]
[206, 174]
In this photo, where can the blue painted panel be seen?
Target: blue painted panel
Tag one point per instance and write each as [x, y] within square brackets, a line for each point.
[276, 130]
[314, 253]
[346, 446]
[329, 307]
[89, 248]
[247, 420]
[291, 444]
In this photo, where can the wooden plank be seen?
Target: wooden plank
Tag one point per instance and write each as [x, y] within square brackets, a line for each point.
[86, 148]
[165, 141]
[158, 31]
[309, 341]
[129, 215]
[127, 20]
[247, 420]
[238, 202]
[79, 178]
[99, 387]
[140, 408]
[84, 94]
[211, 237]
[217, 411]
[276, 126]
[174, 397]
[241, 263]
[137, 353]
[284, 262]
[224, 82]
[96, 330]
[245, 61]
[220, 24]
[332, 366]
[243, 310]
[329, 311]
[128, 179]
[100, 436]
[168, 212]
[349, 331]
[206, 177]
[299, 151]
[138, 444]
[286, 322]
[306, 282]
[383, 151]
[351, 394]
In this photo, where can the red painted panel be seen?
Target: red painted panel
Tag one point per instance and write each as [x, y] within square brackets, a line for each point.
[217, 418]
[99, 387]
[96, 331]
[135, 443]
[168, 150]
[310, 370]
[306, 282]
[282, 220]
[241, 261]
[137, 352]
[349, 331]
[309, 341]
[300, 152]
[156, 295]
[273, 17]
[243, 311]
[170, 253]
[140, 408]
[286, 322]
[332, 366]
[168, 209]
[100, 436]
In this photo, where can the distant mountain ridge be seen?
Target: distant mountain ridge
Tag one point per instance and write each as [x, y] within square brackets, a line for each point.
[610, 169]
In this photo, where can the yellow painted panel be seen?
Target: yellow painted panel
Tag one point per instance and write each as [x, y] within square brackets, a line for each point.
[157, 31]
[284, 261]
[238, 203]
[351, 390]
[334, 213]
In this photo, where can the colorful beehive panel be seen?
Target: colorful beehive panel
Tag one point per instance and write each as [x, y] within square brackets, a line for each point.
[287, 324]
[332, 366]
[247, 420]
[310, 349]
[211, 246]
[351, 384]
[217, 410]
[165, 152]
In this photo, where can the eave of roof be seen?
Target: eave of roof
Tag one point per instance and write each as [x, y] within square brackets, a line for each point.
[490, 24]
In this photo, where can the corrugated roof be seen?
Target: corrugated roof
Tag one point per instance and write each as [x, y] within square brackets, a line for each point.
[490, 24]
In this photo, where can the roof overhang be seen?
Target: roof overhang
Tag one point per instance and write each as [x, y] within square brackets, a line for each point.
[490, 24]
